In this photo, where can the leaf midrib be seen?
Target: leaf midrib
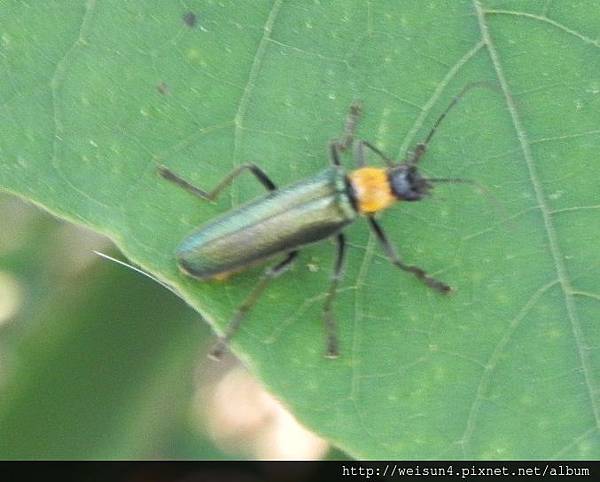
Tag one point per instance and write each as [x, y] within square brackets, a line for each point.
[557, 256]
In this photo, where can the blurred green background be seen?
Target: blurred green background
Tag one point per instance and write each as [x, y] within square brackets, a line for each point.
[83, 378]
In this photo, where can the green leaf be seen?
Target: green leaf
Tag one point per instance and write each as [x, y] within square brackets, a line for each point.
[95, 94]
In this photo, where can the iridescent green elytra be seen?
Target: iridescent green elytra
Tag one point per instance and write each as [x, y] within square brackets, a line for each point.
[281, 221]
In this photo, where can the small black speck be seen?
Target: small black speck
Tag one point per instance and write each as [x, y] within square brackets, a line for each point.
[190, 19]
[163, 88]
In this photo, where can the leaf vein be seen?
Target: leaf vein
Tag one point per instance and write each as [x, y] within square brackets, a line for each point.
[544, 19]
[555, 251]
[56, 82]
[560, 454]
[247, 92]
[494, 359]
[436, 96]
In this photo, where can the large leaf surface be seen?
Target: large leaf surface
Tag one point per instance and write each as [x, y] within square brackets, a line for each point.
[95, 94]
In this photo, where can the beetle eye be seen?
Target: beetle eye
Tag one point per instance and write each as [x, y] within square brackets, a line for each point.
[407, 184]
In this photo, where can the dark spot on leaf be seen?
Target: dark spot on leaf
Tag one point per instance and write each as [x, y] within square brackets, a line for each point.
[163, 88]
[190, 19]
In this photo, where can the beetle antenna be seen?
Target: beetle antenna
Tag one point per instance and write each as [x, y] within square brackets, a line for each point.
[493, 200]
[422, 146]
[452, 180]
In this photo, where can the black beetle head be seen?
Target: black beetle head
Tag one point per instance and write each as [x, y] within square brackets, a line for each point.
[407, 183]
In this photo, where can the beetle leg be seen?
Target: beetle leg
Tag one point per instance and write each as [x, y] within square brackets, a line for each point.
[340, 145]
[395, 259]
[269, 274]
[169, 175]
[359, 154]
[334, 154]
[330, 325]
[350, 125]
[417, 153]
[212, 195]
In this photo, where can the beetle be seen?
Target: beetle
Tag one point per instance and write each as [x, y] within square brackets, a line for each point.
[285, 220]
